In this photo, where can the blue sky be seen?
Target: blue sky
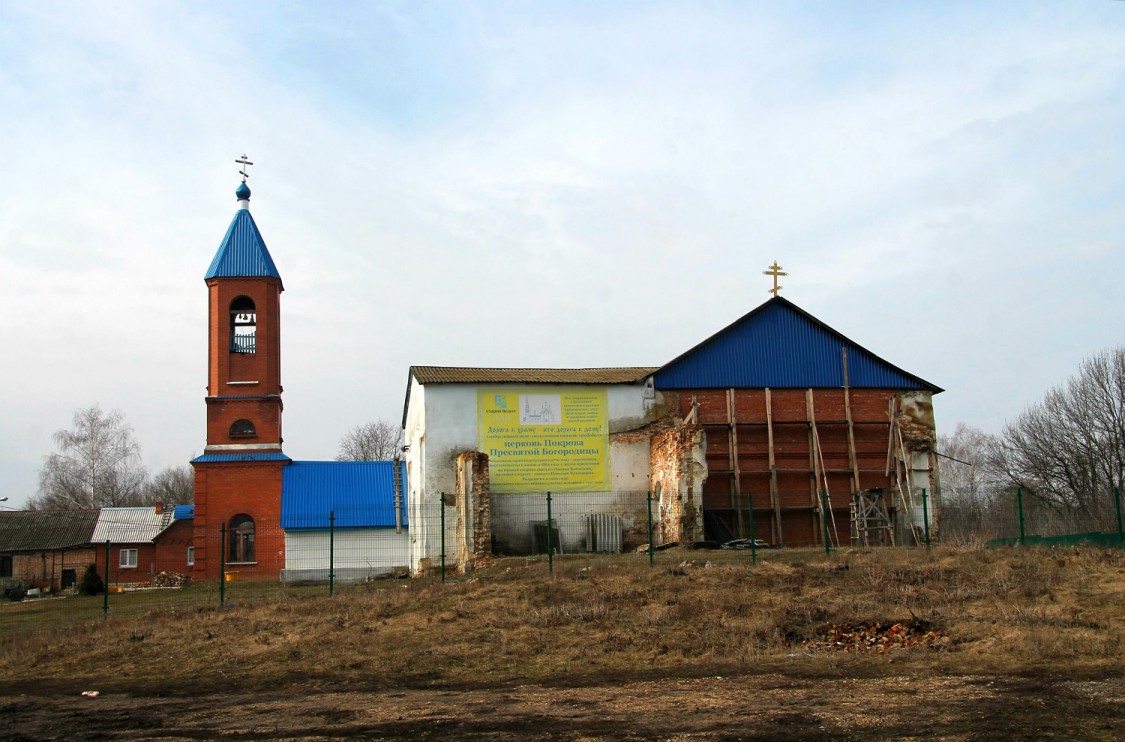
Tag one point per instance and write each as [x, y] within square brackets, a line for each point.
[566, 184]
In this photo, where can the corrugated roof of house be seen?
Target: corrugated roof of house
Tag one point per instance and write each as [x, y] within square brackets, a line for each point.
[361, 494]
[469, 375]
[779, 345]
[131, 525]
[36, 530]
[474, 375]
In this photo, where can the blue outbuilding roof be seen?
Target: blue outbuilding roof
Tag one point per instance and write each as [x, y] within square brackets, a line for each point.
[183, 512]
[361, 494]
[242, 253]
[779, 345]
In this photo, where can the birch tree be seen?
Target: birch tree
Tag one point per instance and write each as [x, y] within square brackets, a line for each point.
[96, 464]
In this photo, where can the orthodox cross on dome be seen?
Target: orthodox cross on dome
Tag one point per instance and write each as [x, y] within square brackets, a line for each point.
[245, 164]
[775, 271]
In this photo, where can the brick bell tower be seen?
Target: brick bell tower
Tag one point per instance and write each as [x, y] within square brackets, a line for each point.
[238, 477]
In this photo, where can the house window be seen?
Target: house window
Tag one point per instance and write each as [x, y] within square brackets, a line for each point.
[190, 555]
[242, 429]
[243, 325]
[128, 558]
[241, 537]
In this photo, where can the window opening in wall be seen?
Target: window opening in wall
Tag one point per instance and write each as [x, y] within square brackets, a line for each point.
[243, 325]
[242, 429]
[128, 558]
[241, 536]
[5, 566]
[190, 555]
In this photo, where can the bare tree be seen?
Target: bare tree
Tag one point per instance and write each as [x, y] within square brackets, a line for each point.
[97, 465]
[374, 441]
[172, 486]
[969, 488]
[1068, 450]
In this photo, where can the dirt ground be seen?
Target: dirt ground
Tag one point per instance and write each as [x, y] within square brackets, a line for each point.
[878, 645]
[749, 707]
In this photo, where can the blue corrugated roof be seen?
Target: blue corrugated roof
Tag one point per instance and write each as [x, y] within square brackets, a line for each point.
[183, 512]
[779, 345]
[360, 493]
[219, 458]
[242, 253]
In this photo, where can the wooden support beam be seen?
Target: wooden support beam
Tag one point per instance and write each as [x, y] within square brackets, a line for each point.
[852, 458]
[819, 461]
[775, 501]
[736, 478]
[814, 471]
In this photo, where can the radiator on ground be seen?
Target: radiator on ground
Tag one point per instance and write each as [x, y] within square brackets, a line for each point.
[603, 532]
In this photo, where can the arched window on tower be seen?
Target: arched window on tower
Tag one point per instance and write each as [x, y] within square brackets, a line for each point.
[243, 325]
[242, 429]
[240, 534]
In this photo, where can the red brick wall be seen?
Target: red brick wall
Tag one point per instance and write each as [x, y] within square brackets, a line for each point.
[264, 413]
[224, 490]
[797, 488]
[43, 569]
[118, 575]
[172, 545]
[263, 367]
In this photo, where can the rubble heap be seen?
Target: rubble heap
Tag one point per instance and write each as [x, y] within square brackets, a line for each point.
[880, 637]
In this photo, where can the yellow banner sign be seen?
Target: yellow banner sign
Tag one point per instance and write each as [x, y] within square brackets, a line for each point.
[545, 438]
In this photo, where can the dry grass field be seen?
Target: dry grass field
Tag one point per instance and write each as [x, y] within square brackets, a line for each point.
[881, 644]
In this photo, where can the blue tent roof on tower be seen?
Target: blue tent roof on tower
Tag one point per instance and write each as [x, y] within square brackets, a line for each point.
[242, 253]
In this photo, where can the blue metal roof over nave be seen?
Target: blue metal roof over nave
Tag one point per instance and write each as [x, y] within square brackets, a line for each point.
[779, 345]
[361, 494]
[242, 253]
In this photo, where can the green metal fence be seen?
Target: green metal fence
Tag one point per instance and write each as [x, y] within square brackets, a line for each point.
[339, 550]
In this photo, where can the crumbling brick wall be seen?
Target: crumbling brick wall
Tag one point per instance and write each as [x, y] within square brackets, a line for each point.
[473, 506]
[678, 471]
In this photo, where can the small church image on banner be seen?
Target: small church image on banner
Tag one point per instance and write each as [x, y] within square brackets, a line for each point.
[776, 419]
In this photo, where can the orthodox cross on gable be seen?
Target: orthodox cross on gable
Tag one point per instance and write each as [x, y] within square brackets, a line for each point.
[245, 164]
[775, 271]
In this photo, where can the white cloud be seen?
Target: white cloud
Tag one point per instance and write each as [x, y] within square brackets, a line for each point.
[513, 185]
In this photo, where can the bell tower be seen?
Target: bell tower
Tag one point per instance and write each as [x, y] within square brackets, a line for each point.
[243, 340]
[238, 477]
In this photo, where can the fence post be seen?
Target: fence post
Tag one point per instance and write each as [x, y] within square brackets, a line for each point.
[1019, 511]
[1117, 504]
[824, 518]
[331, 551]
[926, 515]
[550, 547]
[753, 533]
[441, 499]
[222, 561]
[650, 549]
[105, 591]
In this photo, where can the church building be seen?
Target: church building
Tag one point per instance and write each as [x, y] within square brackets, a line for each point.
[777, 414]
[776, 428]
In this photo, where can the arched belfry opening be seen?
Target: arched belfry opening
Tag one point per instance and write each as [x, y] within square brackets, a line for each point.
[243, 325]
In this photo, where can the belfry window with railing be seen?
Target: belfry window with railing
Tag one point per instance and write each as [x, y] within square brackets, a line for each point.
[243, 325]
